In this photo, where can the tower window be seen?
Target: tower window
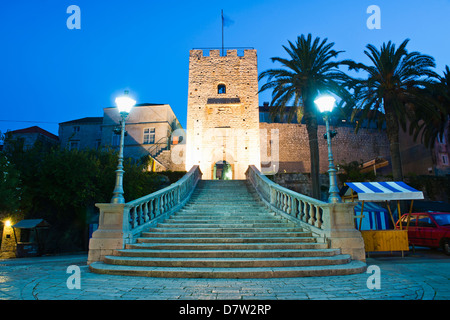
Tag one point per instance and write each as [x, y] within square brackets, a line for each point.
[221, 89]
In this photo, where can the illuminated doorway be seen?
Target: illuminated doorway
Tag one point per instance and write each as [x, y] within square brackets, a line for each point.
[222, 170]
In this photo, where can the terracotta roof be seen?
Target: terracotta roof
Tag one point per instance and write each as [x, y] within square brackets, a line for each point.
[35, 129]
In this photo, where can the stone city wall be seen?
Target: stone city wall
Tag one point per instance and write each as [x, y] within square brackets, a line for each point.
[347, 146]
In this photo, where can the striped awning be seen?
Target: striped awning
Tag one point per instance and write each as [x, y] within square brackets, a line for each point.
[369, 207]
[380, 191]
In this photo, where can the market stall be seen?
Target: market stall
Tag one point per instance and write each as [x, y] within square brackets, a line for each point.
[383, 240]
[29, 235]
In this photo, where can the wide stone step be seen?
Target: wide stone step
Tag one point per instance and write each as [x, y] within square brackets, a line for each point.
[225, 234]
[227, 240]
[232, 201]
[223, 212]
[225, 246]
[278, 253]
[176, 225]
[352, 267]
[228, 262]
[224, 230]
[193, 220]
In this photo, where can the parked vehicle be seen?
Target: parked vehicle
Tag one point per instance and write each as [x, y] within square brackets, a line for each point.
[428, 229]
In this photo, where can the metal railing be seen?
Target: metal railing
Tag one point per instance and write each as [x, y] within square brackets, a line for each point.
[159, 146]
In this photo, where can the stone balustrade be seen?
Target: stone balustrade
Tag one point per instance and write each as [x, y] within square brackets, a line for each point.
[120, 224]
[333, 222]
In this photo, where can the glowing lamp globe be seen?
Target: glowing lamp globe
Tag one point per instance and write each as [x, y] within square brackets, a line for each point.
[124, 104]
[325, 103]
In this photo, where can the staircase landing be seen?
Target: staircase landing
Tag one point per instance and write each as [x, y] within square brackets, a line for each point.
[224, 231]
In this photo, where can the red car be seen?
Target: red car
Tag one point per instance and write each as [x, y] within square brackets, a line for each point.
[428, 229]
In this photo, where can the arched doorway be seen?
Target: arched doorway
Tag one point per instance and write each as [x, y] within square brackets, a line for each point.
[222, 170]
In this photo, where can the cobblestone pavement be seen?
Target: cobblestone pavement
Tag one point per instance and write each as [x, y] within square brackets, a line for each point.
[424, 275]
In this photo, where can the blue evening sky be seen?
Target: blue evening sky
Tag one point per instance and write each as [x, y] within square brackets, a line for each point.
[50, 74]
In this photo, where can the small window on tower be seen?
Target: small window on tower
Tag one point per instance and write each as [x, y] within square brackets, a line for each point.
[221, 89]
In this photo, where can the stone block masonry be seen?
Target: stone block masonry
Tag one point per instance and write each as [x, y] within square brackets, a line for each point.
[348, 146]
[223, 112]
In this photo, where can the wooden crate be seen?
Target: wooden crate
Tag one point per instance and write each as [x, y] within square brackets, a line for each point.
[385, 240]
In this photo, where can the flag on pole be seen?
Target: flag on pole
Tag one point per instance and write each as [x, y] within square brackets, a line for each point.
[226, 22]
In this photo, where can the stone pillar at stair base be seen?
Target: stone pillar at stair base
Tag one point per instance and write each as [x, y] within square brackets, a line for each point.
[110, 235]
[343, 234]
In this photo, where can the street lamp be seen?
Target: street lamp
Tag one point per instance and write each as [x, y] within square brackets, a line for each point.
[326, 105]
[124, 105]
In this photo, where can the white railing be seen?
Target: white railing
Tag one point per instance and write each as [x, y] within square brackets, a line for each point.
[121, 223]
[331, 222]
[142, 212]
[311, 212]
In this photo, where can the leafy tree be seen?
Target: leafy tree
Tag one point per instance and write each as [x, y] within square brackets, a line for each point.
[10, 191]
[430, 125]
[62, 187]
[352, 173]
[392, 91]
[309, 71]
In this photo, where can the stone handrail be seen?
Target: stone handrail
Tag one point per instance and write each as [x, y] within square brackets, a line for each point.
[306, 209]
[121, 223]
[145, 210]
[332, 222]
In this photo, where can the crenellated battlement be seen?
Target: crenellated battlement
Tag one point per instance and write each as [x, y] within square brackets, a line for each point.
[226, 52]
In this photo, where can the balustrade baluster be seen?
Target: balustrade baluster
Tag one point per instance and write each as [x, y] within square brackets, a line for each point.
[307, 212]
[151, 209]
[162, 204]
[294, 207]
[319, 217]
[157, 206]
[145, 211]
[133, 217]
[139, 215]
[313, 215]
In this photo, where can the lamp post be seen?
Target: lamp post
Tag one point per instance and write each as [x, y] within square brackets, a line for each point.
[326, 105]
[124, 105]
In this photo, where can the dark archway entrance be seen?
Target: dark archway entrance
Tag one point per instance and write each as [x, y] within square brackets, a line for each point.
[222, 170]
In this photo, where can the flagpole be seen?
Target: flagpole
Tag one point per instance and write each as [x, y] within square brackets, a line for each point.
[222, 32]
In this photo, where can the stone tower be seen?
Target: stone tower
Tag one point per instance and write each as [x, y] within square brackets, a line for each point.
[223, 113]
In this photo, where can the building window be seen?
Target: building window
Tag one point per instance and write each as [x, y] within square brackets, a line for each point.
[221, 89]
[73, 145]
[444, 158]
[441, 139]
[149, 135]
[115, 140]
[76, 129]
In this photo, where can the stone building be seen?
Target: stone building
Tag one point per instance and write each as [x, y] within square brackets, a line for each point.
[151, 130]
[28, 137]
[85, 133]
[223, 113]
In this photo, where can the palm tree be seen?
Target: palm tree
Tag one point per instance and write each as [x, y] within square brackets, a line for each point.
[309, 72]
[392, 91]
[430, 125]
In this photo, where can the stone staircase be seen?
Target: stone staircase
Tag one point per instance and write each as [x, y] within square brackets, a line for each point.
[224, 231]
